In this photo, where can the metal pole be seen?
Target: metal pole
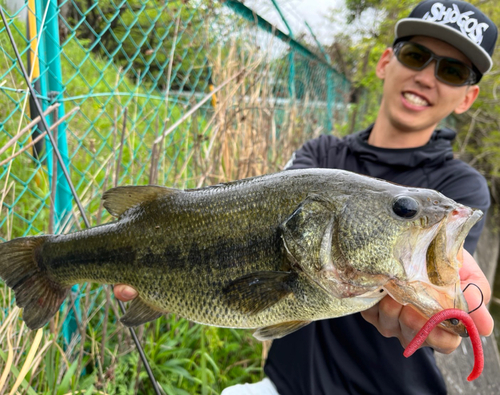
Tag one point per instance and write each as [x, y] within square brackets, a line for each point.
[34, 72]
[73, 191]
[321, 48]
[283, 18]
[291, 76]
[51, 70]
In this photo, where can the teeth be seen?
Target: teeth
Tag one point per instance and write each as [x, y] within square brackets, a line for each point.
[414, 99]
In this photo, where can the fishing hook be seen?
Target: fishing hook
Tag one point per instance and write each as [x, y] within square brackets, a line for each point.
[482, 296]
[72, 188]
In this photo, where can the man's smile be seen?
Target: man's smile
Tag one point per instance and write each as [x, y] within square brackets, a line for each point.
[415, 101]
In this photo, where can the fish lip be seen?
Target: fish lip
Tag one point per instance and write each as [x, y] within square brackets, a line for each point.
[462, 233]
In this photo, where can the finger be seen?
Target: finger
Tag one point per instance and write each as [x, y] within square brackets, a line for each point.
[411, 322]
[124, 292]
[442, 341]
[470, 272]
[483, 320]
[439, 339]
[371, 315]
[389, 311]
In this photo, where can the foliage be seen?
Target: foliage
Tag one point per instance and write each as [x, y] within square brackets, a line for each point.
[479, 139]
[138, 36]
[356, 55]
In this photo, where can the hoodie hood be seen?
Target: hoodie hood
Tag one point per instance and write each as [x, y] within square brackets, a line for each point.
[435, 152]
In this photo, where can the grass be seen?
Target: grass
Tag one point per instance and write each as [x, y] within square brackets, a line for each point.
[244, 131]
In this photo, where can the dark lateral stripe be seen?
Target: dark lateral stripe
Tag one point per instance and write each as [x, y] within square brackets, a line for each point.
[119, 256]
[222, 254]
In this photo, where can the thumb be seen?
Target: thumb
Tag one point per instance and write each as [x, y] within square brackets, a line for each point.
[124, 292]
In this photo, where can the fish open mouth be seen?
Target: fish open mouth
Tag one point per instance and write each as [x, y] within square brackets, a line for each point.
[445, 252]
[433, 282]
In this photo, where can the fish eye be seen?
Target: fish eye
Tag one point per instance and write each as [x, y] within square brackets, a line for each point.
[405, 207]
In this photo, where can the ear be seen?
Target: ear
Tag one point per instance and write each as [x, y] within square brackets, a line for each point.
[468, 100]
[383, 62]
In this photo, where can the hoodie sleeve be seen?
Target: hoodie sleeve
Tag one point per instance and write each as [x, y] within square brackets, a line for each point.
[312, 154]
[468, 187]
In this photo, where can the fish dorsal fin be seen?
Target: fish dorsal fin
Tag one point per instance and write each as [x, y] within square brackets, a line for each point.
[120, 199]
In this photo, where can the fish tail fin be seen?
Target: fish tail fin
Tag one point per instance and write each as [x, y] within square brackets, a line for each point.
[22, 269]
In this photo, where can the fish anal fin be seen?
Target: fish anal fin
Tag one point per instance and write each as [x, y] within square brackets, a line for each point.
[279, 330]
[120, 199]
[139, 313]
[258, 291]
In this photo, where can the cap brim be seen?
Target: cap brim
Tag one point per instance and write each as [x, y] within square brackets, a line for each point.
[417, 27]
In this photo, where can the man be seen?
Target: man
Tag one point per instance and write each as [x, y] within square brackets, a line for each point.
[440, 53]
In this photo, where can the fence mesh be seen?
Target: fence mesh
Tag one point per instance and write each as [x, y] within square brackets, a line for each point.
[135, 68]
[122, 76]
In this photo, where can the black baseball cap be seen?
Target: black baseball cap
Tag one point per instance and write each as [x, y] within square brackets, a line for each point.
[457, 23]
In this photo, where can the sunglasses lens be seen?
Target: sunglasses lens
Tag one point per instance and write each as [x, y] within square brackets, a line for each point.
[453, 72]
[413, 56]
[449, 70]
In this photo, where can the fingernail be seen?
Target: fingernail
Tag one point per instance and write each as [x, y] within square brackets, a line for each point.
[128, 293]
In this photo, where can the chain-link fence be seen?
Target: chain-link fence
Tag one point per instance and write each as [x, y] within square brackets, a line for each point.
[134, 69]
[177, 93]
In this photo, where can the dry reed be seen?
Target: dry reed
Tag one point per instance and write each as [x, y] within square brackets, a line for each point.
[248, 130]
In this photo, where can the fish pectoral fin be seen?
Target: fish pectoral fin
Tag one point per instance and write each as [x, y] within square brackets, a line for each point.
[257, 291]
[120, 199]
[139, 313]
[279, 330]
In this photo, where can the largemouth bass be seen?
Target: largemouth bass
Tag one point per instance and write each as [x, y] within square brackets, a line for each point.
[272, 253]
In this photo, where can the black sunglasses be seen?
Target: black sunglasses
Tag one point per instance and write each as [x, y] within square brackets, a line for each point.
[448, 70]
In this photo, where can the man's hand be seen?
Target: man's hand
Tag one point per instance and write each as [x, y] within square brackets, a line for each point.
[124, 292]
[394, 320]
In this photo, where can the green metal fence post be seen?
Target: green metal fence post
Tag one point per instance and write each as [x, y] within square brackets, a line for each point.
[54, 81]
[291, 76]
[41, 82]
[53, 73]
[330, 99]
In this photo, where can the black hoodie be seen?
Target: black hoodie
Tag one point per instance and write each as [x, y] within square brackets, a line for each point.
[348, 355]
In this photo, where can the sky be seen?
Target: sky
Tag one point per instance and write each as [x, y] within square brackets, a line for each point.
[298, 11]
[315, 9]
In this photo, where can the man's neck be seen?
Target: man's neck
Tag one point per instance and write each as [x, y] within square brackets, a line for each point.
[385, 135]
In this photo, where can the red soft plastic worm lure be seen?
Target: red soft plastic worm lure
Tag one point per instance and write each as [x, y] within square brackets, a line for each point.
[447, 314]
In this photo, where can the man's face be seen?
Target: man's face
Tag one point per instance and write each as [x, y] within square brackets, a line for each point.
[415, 100]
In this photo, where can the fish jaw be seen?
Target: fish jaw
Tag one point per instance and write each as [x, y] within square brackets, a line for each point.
[429, 299]
[433, 281]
